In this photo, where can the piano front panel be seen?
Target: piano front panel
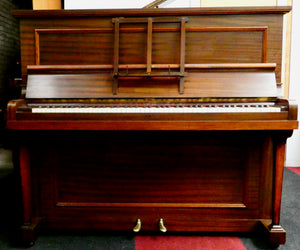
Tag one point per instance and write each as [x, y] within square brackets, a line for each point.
[230, 38]
[233, 43]
[131, 175]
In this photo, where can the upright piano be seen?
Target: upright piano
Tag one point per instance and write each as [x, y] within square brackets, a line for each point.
[152, 120]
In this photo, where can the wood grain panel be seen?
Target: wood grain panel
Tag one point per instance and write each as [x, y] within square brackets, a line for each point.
[80, 46]
[213, 45]
[198, 18]
[153, 12]
[144, 161]
[226, 44]
[273, 22]
[179, 125]
[179, 179]
[204, 84]
[137, 172]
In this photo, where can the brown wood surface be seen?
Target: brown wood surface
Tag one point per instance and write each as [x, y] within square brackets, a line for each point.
[128, 175]
[202, 84]
[26, 182]
[212, 36]
[152, 125]
[87, 197]
[206, 172]
[55, 69]
[26, 114]
[155, 12]
[278, 176]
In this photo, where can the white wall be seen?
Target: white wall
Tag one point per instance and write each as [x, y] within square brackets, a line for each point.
[226, 3]
[119, 4]
[293, 145]
[110, 4]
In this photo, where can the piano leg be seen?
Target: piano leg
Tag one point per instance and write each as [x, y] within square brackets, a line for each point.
[27, 234]
[278, 177]
[276, 234]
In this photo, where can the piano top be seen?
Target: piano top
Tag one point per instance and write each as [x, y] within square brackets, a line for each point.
[152, 12]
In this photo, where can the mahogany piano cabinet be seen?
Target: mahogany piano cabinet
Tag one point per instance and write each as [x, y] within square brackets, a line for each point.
[150, 120]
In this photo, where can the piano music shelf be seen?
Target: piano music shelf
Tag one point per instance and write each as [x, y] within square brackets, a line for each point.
[149, 73]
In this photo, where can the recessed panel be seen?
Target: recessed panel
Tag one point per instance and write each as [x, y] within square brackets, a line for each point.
[224, 46]
[75, 47]
[152, 170]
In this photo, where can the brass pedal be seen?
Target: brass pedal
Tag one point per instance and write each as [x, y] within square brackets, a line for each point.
[138, 226]
[162, 227]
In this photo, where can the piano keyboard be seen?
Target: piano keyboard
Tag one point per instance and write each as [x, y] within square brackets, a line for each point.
[190, 108]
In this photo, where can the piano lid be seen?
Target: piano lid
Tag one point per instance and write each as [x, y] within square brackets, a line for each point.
[200, 80]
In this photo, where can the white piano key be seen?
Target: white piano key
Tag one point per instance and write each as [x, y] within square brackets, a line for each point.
[245, 108]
